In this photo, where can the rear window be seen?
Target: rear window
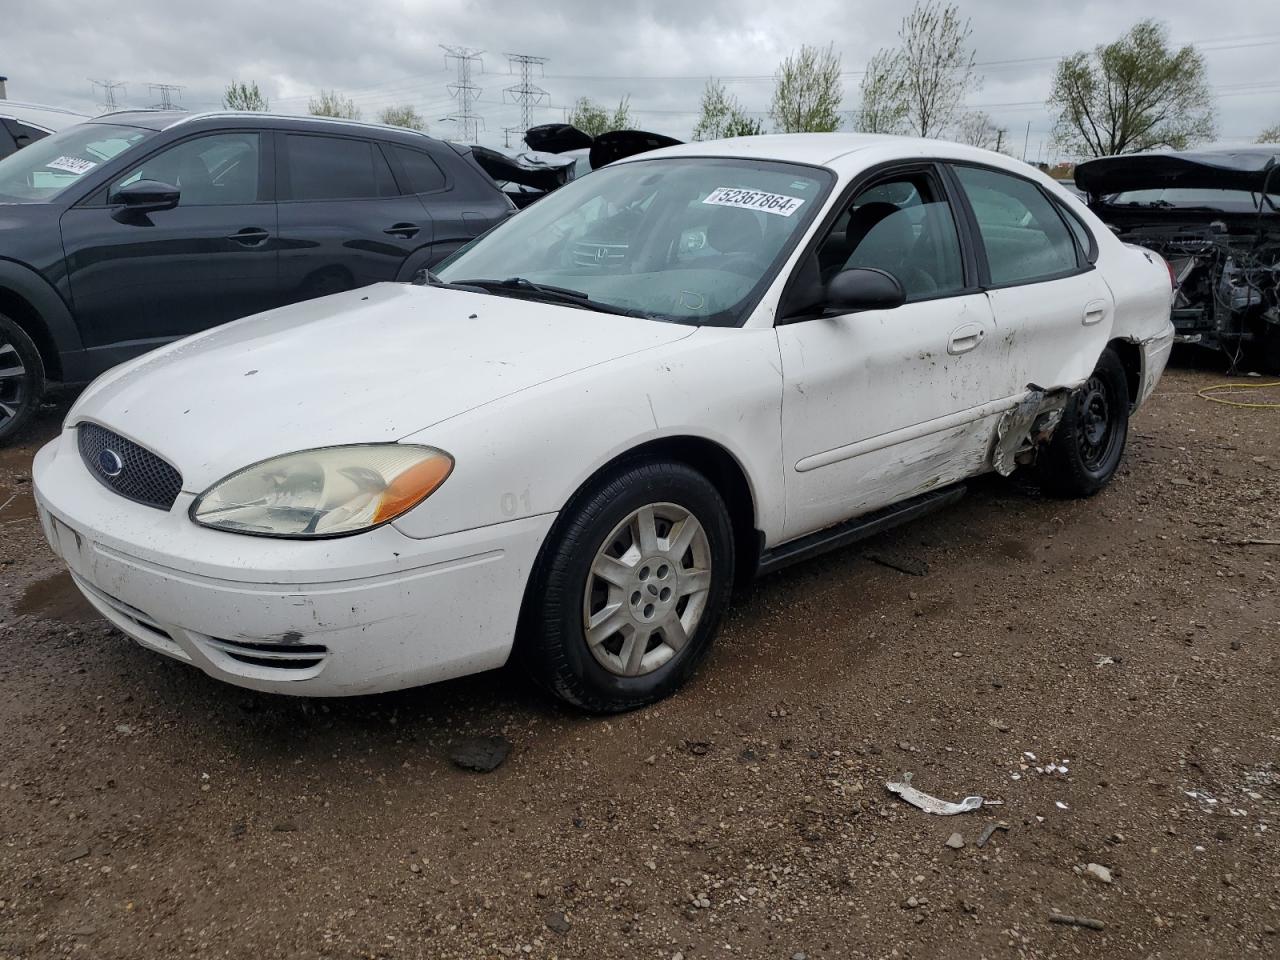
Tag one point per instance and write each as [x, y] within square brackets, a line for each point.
[336, 168]
[424, 175]
[52, 164]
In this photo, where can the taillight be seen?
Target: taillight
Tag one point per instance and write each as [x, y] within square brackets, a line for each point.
[1173, 277]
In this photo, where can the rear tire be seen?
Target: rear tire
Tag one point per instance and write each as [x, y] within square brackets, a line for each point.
[21, 378]
[629, 588]
[1084, 452]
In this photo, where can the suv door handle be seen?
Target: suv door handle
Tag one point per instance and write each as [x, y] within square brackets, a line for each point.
[964, 338]
[406, 230]
[249, 236]
[1094, 311]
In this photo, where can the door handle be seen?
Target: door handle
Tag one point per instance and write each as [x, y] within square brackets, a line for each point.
[406, 230]
[1094, 311]
[249, 236]
[964, 338]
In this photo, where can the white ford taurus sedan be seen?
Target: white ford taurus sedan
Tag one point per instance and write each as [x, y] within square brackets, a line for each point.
[684, 369]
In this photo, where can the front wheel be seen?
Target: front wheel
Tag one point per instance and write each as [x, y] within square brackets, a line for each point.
[21, 378]
[1084, 452]
[630, 588]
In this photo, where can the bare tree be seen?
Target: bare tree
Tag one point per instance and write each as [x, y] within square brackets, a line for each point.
[722, 116]
[883, 108]
[1270, 135]
[403, 116]
[937, 66]
[806, 94]
[244, 96]
[1134, 94]
[591, 118]
[978, 130]
[330, 103]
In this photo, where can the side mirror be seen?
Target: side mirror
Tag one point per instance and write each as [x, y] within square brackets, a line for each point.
[864, 288]
[145, 196]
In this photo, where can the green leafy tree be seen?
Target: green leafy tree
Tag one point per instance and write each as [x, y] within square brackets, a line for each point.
[1134, 94]
[1270, 135]
[244, 96]
[883, 106]
[591, 118]
[722, 116]
[936, 65]
[330, 103]
[806, 92]
[403, 116]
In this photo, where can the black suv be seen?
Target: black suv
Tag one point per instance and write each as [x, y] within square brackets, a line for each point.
[137, 228]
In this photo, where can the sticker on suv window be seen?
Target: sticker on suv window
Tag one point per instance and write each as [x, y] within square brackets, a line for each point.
[71, 165]
[777, 203]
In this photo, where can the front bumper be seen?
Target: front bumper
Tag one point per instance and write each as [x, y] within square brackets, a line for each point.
[363, 614]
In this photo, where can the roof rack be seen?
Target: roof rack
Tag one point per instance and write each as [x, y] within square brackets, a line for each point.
[191, 117]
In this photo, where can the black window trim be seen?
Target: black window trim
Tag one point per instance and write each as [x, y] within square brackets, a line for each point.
[284, 178]
[403, 182]
[969, 249]
[1083, 263]
[97, 195]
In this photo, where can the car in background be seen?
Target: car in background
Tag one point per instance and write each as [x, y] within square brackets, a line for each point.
[22, 124]
[1214, 215]
[800, 341]
[141, 227]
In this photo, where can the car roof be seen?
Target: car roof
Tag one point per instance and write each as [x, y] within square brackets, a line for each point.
[159, 120]
[41, 115]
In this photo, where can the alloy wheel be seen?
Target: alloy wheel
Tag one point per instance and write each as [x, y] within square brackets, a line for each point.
[14, 382]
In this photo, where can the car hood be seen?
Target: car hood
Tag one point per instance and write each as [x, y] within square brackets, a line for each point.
[370, 365]
[1248, 168]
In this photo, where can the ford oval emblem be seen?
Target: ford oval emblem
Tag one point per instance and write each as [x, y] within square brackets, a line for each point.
[110, 464]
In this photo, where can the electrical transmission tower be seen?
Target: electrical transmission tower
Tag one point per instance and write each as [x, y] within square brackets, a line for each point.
[109, 88]
[166, 91]
[465, 92]
[526, 92]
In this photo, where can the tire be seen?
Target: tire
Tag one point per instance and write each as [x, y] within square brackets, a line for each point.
[1084, 452]
[606, 670]
[20, 392]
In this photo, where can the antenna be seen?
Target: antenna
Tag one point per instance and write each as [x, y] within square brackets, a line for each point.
[166, 91]
[464, 91]
[525, 93]
[109, 88]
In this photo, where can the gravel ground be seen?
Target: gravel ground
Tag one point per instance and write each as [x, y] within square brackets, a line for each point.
[1107, 669]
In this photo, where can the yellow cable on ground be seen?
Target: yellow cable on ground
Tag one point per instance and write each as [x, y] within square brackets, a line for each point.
[1270, 405]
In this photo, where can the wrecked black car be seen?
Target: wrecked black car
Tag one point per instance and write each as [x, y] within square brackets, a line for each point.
[1214, 215]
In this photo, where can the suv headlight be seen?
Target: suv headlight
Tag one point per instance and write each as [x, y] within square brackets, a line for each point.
[330, 492]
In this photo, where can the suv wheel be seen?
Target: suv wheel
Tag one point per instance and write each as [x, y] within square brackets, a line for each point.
[21, 378]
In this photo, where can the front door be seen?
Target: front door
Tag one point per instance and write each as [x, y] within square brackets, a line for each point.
[140, 279]
[885, 404]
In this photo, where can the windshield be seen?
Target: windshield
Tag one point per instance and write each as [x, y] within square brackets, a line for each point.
[692, 240]
[1226, 200]
[47, 167]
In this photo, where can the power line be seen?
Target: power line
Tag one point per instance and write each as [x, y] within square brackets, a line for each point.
[526, 92]
[464, 91]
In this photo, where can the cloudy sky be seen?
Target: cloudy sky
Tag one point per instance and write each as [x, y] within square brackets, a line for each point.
[383, 52]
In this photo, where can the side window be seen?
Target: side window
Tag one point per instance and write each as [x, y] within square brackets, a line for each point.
[6, 142]
[903, 226]
[1022, 232]
[1078, 230]
[218, 169]
[336, 168]
[24, 134]
[424, 175]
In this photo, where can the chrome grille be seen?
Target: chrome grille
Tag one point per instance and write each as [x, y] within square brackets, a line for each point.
[128, 469]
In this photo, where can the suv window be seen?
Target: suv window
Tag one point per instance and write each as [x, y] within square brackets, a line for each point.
[336, 168]
[1022, 231]
[903, 226]
[221, 168]
[423, 174]
[23, 133]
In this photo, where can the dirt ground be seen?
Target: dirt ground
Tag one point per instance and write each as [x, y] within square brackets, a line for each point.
[1107, 669]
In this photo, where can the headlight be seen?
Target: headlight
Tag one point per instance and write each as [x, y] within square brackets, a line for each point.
[324, 493]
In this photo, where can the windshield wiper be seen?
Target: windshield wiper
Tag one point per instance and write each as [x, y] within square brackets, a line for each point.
[515, 286]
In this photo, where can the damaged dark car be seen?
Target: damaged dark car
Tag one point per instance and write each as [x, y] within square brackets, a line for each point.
[1214, 215]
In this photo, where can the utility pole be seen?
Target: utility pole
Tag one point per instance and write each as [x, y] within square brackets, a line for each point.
[526, 92]
[1026, 140]
[109, 88]
[507, 132]
[166, 91]
[999, 138]
[465, 92]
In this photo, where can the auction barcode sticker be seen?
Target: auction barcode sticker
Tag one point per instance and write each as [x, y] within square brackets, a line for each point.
[71, 165]
[778, 203]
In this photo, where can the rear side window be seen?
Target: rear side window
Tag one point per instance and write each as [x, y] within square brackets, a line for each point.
[1022, 232]
[423, 174]
[335, 168]
[23, 133]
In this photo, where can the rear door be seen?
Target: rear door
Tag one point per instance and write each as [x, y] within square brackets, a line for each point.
[430, 172]
[344, 221]
[1053, 308]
